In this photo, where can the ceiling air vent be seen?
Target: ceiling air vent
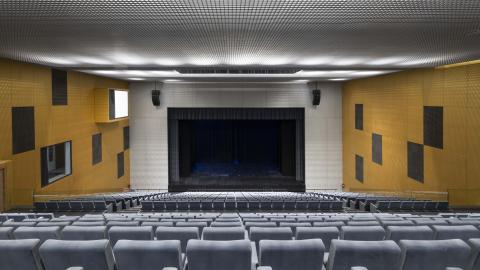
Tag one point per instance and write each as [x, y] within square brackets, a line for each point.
[236, 71]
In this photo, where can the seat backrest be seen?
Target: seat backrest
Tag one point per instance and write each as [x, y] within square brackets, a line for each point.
[60, 224]
[434, 254]
[122, 223]
[223, 233]
[327, 234]
[265, 233]
[474, 262]
[116, 233]
[464, 232]
[397, 233]
[362, 233]
[91, 255]
[20, 254]
[88, 223]
[219, 255]
[249, 224]
[292, 254]
[200, 225]
[226, 224]
[337, 224]
[363, 223]
[147, 255]
[386, 223]
[41, 233]
[6, 233]
[373, 255]
[84, 233]
[183, 234]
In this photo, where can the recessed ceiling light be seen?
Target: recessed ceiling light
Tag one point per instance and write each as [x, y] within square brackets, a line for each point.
[367, 73]
[167, 62]
[58, 61]
[92, 60]
[347, 61]
[385, 61]
[136, 79]
[338, 79]
[128, 59]
[314, 61]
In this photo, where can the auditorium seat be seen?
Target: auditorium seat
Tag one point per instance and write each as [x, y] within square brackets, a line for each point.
[327, 234]
[15, 224]
[248, 225]
[20, 255]
[65, 218]
[6, 233]
[363, 223]
[294, 225]
[397, 233]
[463, 232]
[91, 255]
[155, 224]
[263, 233]
[337, 224]
[41, 233]
[362, 233]
[434, 254]
[219, 255]
[373, 255]
[183, 234]
[226, 224]
[116, 233]
[147, 255]
[474, 262]
[88, 223]
[122, 223]
[60, 224]
[428, 222]
[84, 233]
[473, 222]
[292, 254]
[199, 225]
[223, 233]
[386, 223]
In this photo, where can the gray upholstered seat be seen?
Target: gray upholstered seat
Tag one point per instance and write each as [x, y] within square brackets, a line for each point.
[15, 224]
[91, 255]
[337, 224]
[363, 223]
[116, 233]
[219, 255]
[60, 224]
[428, 222]
[463, 232]
[327, 234]
[226, 224]
[20, 255]
[88, 223]
[397, 233]
[147, 255]
[362, 233]
[6, 233]
[155, 224]
[84, 232]
[292, 254]
[223, 233]
[41, 233]
[434, 254]
[200, 225]
[373, 255]
[277, 233]
[122, 223]
[474, 263]
[386, 223]
[183, 234]
[295, 225]
[250, 224]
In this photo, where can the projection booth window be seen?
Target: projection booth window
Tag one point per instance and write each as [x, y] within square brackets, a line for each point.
[56, 162]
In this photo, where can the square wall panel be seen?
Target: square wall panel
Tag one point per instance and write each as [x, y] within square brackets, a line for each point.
[23, 129]
[415, 161]
[433, 126]
[377, 148]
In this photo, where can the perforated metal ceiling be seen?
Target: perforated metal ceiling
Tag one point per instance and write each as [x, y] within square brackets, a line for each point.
[334, 34]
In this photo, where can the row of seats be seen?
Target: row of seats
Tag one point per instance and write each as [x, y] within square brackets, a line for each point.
[308, 254]
[174, 205]
[381, 205]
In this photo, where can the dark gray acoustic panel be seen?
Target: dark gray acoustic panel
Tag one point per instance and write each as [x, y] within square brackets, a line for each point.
[433, 126]
[359, 116]
[59, 87]
[96, 148]
[415, 161]
[377, 148]
[111, 104]
[359, 168]
[120, 164]
[126, 138]
[23, 129]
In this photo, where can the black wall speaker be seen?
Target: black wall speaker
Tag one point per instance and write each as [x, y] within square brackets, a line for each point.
[316, 97]
[156, 97]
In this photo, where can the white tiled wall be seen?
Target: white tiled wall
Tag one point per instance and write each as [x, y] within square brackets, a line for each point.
[148, 124]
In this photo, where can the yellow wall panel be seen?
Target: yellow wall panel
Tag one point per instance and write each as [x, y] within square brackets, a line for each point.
[393, 106]
[23, 84]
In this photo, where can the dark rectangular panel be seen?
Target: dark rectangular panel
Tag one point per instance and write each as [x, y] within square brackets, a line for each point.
[120, 165]
[96, 148]
[23, 129]
[377, 148]
[359, 116]
[433, 126]
[59, 87]
[126, 138]
[111, 104]
[359, 168]
[415, 161]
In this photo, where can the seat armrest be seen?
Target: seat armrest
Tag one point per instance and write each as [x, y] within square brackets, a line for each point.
[358, 268]
[264, 268]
